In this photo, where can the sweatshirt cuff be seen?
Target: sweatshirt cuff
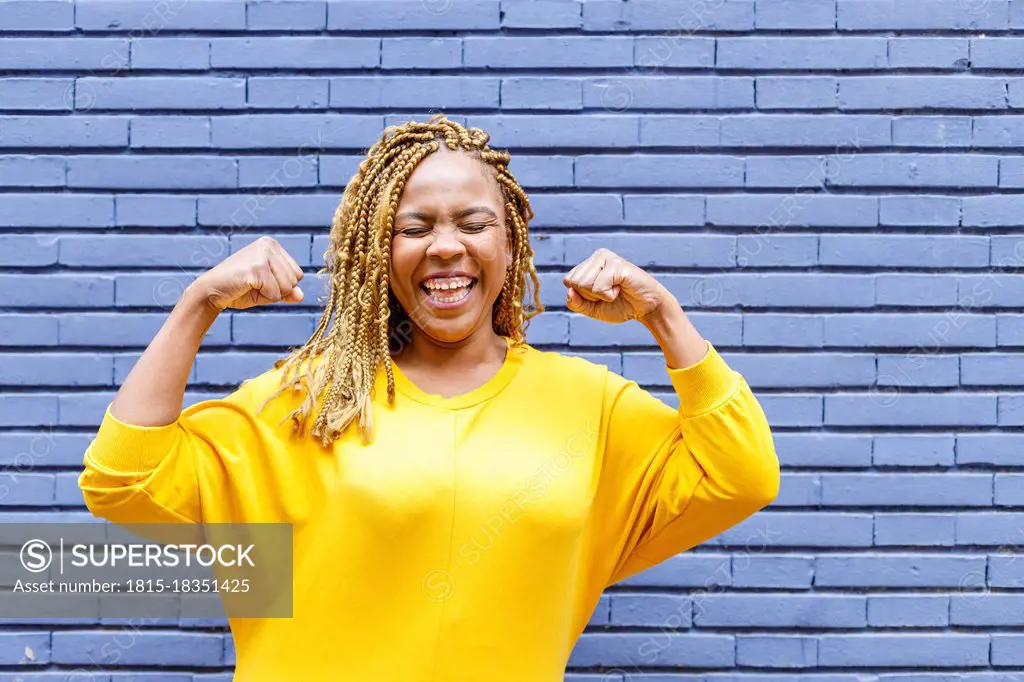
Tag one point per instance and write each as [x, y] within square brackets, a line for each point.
[704, 386]
[128, 448]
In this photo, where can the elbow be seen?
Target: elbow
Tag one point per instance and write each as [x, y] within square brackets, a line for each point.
[766, 483]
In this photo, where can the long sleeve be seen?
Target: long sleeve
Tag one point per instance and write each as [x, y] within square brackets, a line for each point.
[672, 479]
[210, 465]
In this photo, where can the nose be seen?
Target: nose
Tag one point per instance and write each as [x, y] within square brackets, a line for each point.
[446, 243]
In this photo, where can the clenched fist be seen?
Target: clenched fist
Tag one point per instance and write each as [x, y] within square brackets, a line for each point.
[257, 274]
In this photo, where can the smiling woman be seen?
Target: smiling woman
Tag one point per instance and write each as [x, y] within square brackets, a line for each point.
[462, 498]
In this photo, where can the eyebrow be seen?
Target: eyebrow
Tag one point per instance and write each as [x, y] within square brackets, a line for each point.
[455, 216]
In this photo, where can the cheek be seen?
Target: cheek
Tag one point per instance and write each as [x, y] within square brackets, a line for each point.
[492, 252]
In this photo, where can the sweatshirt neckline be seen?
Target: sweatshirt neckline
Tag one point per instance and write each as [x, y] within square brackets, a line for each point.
[490, 388]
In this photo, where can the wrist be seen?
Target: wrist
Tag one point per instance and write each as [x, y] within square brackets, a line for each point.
[195, 301]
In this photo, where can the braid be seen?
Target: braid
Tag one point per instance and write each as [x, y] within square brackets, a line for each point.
[358, 260]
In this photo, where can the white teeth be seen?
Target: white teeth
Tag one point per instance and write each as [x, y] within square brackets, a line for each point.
[446, 284]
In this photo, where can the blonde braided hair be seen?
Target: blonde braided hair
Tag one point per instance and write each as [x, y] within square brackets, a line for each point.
[366, 315]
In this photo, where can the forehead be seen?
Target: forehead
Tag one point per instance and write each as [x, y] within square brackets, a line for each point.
[450, 176]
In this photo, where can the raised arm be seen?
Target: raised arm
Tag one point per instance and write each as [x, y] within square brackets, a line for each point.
[149, 459]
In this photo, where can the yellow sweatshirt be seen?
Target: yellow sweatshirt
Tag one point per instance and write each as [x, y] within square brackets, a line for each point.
[472, 538]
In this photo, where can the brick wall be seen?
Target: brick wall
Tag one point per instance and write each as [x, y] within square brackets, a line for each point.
[832, 188]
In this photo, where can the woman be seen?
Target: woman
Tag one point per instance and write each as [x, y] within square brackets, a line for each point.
[464, 498]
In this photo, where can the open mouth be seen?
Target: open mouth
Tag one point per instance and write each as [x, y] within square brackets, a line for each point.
[448, 290]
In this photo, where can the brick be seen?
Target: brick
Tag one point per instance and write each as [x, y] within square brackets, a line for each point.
[290, 131]
[56, 369]
[56, 290]
[152, 172]
[124, 329]
[170, 131]
[921, 332]
[683, 131]
[663, 210]
[919, 530]
[781, 572]
[914, 170]
[654, 249]
[792, 410]
[913, 450]
[541, 93]
[36, 94]
[27, 329]
[172, 54]
[933, 53]
[51, 132]
[1006, 569]
[916, 291]
[894, 570]
[801, 53]
[1009, 489]
[776, 250]
[991, 211]
[941, 14]
[797, 370]
[921, 92]
[43, 15]
[543, 14]
[987, 369]
[107, 15]
[294, 52]
[776, 652]
[539, 131]
[665, 15]
[243, 211]
[661, 610]
[421, 53]
[703, 650]
[278, 171]
[798, 529]
[795, 14]
[27, 250]
[547, 52]
[779, 329]
[28, 410]
[780, 611]
[231, 368]
[932, 131]
[908, 611]
[48, 54]
[992, 529]
[990, 610]
[268, 329]
[271, 15]
[139, 251]
[155, 210]
[1006, 650]
[641, 170]
[997, 131]
[653, 53]
[823, 451]
[796, 92]
[32, 171]
[288, 93]
[833, 132]
[912, 490]
[904, 251]
[893, 409]
[805, 209]
[15, 647]
[414, 91]
[999, 449]
[542, 171]
[577, 210]
[685, 570]
[412, 15]
[158, 92]
[677, 92]
[148, 648]
[928, 211]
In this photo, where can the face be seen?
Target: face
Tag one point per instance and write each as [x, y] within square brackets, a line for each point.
[450, 247]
